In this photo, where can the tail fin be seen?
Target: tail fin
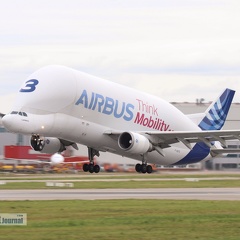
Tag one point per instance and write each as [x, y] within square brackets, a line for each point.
[216, 114]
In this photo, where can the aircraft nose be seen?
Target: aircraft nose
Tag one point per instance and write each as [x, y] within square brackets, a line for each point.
[8, 121]
[14, 123]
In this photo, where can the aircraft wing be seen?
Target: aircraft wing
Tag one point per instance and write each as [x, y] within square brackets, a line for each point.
[165, 139]
[225, 151]
[187, 137]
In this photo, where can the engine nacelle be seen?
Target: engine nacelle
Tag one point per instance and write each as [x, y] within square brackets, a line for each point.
[134, 143]
[46, 144]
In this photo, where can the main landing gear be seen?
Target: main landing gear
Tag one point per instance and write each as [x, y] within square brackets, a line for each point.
[91, 167]
[144, 167]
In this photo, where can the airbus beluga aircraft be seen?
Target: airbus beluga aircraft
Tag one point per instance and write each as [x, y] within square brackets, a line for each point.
[60, 107]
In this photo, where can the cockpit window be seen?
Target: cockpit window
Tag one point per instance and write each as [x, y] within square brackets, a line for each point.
[14, 112]
[19, 113]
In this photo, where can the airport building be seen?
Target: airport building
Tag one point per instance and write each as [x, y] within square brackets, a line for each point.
[231, 161]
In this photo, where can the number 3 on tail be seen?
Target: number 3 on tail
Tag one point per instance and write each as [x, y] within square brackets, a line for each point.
[30, 86]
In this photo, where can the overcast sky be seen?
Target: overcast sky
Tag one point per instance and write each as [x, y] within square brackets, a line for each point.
[177, 50]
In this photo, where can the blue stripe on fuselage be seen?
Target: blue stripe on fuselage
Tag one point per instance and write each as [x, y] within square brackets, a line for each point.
[198, 153]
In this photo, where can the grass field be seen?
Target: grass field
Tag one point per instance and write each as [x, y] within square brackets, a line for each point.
[103, 175]
[124, 219]
[129, 184]
[115, 180]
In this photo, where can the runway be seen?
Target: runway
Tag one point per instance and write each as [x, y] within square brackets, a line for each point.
[96, 194]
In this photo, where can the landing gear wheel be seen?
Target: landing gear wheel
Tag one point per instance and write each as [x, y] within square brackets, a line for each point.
[91, 168]
[149, 169]
[138, 167]
[144, 168]
[85, 167]
[96, 168]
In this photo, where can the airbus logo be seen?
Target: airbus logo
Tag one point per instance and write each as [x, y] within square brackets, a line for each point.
[106, 105]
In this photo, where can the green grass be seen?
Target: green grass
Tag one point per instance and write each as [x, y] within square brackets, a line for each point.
[129, 184]
[82, 175]
[124, 219]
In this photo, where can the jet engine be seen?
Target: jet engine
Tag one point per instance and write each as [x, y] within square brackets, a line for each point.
[134, 143]
[46, 144]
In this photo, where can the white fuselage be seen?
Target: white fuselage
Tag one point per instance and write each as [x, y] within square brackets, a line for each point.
[64, 103]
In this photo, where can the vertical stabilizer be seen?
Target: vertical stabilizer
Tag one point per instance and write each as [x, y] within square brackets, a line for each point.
[216, 114]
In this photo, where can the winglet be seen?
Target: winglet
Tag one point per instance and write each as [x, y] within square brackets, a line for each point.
[216, 114]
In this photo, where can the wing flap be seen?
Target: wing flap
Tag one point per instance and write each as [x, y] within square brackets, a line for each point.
[187, 137]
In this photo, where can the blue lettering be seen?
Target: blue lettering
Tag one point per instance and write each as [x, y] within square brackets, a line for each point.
[100, 100]
[108, 107]
[83, 99]
[116, 114]
[92, 100]
[129, 111]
